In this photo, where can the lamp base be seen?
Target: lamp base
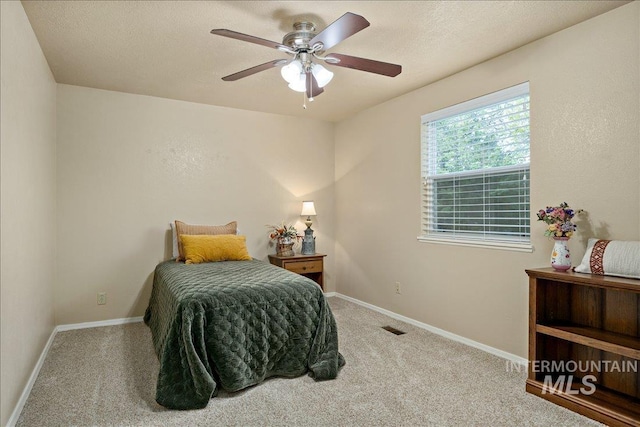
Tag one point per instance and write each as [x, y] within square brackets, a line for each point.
[308, 242]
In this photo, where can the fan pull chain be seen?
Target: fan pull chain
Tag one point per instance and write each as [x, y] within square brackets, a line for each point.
[304, 100]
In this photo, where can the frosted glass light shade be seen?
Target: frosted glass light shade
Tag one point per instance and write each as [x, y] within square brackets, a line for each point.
[291, 72]
[308, 209]
[300, 84]
[322, 75]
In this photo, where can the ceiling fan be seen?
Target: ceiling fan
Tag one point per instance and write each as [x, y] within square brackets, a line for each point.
[303, 72]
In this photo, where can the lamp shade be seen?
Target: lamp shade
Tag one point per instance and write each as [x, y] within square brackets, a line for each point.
[294, 75]
[291, 72]
[322, 75]
[299, 85]
[308, 209]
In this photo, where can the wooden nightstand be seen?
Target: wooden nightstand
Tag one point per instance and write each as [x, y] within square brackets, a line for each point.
[310, 266]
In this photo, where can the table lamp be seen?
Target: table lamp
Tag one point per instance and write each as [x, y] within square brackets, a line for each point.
[308, 242]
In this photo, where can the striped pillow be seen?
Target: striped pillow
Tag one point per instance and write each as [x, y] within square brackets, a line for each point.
[183, 228]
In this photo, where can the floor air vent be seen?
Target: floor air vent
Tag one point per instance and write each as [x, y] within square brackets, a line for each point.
[393, 330]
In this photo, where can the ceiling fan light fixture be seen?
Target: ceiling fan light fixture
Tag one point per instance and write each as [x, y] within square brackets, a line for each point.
[294, 74]
[322, 75]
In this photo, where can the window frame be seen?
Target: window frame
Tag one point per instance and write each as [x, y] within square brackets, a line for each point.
[512, 243]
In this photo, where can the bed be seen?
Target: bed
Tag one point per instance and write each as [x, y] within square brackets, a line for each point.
[232, 324]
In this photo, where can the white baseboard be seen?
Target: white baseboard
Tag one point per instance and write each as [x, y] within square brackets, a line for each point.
[503, 354]
[13, 419]
[98, 324]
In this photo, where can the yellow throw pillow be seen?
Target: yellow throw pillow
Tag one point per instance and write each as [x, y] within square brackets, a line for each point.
[211, 248]
[184, 228]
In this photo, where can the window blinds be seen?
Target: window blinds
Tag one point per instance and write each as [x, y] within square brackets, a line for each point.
[475, 169]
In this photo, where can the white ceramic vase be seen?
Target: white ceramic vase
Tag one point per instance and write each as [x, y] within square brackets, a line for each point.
[560, 256]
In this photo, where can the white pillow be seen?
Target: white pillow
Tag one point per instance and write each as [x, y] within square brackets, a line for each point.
[611, 257]
[174, 239]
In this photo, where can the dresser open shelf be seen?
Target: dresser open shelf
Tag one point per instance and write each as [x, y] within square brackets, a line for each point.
[584, 344]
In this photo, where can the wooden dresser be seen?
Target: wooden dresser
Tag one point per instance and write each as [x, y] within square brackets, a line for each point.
[584, 344]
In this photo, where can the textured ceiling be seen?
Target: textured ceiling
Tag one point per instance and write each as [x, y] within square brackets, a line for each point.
[164, 49]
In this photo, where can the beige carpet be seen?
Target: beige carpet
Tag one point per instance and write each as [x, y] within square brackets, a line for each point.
[107, 376]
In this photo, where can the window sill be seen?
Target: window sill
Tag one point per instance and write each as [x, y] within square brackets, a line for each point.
[473, 243]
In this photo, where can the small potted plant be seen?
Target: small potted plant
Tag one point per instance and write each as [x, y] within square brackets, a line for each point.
[285, 236]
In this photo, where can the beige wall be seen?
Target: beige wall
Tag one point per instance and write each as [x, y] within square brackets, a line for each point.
[130, 164]
[584, 150]
[28, 216]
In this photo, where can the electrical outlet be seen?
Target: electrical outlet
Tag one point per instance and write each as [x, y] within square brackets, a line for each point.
[102, 298]
[398, 290]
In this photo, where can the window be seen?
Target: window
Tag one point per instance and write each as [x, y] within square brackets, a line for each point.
[475, 172]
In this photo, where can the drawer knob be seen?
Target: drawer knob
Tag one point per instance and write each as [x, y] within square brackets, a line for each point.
[304, 268]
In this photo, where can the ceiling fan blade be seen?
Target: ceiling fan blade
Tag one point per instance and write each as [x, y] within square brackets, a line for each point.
[251, 39]
[363, 64]
[343, 27]
[313, 89]
[253, 70]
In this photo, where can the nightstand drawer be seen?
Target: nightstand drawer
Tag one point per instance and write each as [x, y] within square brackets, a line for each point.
[307, 265]
[302, 267]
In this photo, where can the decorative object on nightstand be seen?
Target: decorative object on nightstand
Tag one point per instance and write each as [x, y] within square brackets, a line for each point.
[560, 228]
[308, 242]
[285, 237]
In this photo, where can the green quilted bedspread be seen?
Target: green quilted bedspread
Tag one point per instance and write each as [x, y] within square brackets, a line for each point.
[232, 324]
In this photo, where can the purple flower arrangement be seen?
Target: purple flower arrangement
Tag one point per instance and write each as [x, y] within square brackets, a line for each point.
[558, 219]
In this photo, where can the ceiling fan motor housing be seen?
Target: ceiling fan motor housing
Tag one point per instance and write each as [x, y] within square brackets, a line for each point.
[301, 36]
